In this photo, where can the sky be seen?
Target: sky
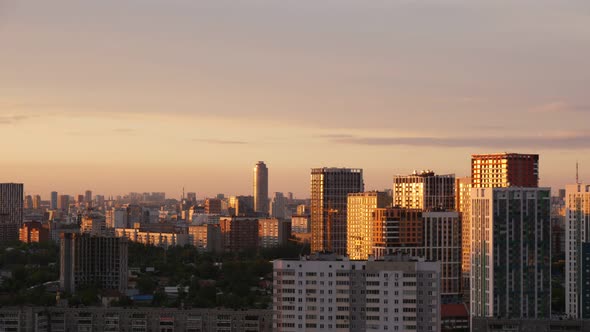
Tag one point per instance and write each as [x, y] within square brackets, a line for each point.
[146, 95]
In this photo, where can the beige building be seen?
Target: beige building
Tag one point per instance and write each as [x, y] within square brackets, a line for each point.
[425, 190]
[206, 237]
[360, 224]
[158, 239]
[273, 232]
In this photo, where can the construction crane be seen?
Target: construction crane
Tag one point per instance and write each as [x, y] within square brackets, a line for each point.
[329, 225]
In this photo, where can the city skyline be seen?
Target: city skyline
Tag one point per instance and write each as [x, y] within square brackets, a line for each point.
[123, 92]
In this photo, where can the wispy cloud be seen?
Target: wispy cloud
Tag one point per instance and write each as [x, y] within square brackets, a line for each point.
[219, 141]
[10, 119]
[568, 141]
[124, 131]
[559, 107]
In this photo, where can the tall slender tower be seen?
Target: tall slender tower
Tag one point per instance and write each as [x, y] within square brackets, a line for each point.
[261, 188]
[329, 194]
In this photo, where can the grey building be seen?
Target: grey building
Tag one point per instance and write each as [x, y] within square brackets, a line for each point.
[54, 198]
[11, 210]
[329, 194]
[528, 325]
[93, 260]
[511, 252]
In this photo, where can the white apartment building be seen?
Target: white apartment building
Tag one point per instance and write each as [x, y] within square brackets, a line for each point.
[331, 293]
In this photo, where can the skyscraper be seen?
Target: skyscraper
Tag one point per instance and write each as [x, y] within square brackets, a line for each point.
[498, 170]
[54, 198]
[88, 198]
[424, 190]
[11, 210]
[64, 202]
[577, 252]
[329, 193]
[278, 206]
[359, 222]
[36, 202]
[511, 252]
[261, 188]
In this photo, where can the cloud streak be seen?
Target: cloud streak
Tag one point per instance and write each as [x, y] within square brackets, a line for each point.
[572, 141]
[10, 119]
[219, 141]
[559, 107]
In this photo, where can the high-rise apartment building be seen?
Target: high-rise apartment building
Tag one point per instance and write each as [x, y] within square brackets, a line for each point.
[424, 191]
[238, 234]
[434, 235]
[116, 218]
[54, 199]
[28, 203]
[34, 231]
[278, 206]
[261, 188]
[463, 205]
[64, 202]
[88, 198]
[498, 170]
[577, 251]
[273, 232]
[92, 260]
[329, 195]
[328, 293]
[36, 202]
[11, 211]
[359, 222]
[206, 237]
[511, 252]
[213, 206]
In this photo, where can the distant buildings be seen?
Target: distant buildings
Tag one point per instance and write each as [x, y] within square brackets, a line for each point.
[117, 218]
[278, 206]
[511, 252]
[206, 237]
[11, 211]
[158, 238]
[213, 206]
[577, 253]
[498, 170]
[54, 199]
[261, 189]
[273, 232]
[424, 190]
[88, 198]
[329, 194]
[34, 231]
[36, 202]
[328, 293]
[238, 234]
[360, 223]
[63, 203]
[89, 260]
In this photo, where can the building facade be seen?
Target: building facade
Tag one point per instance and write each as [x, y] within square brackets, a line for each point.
[11, 211]
[424, 191]
[46, 319]
[329, 196]
[359, 222]
[511, 252]
[499, 170]
[328, 293]
[577, 251]
[273, 232]
[33, 232]
[206, 237]
[92, 260]
[261, 189]
[463, 205]
[238, 234]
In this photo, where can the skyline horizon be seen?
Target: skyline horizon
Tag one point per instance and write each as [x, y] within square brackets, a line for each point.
[176, 193]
